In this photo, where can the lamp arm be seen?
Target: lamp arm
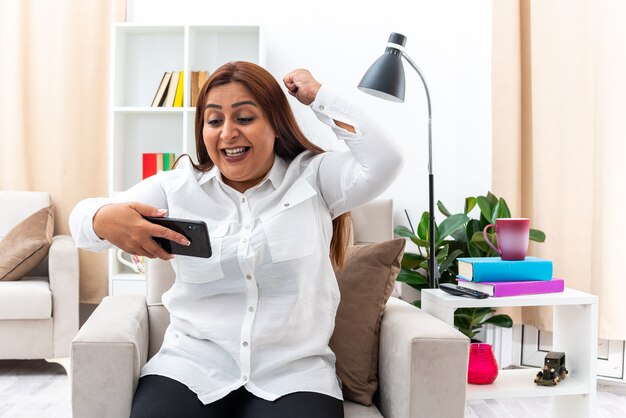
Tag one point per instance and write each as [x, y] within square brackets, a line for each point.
[430, 136]
[432, 265]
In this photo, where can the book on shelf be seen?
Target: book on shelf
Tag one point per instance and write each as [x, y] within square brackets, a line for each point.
[171, 89]
[170, 92]
[501, 289]
[159, 96]
[195, 75]
[198, 78]
[154, 162]
[494, 269]
[178, 97]
[202, 79]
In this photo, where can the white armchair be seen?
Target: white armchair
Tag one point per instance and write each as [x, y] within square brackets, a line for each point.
[422, 361]
[39, 313]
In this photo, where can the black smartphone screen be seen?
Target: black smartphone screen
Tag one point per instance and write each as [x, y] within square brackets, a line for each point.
[195, 231]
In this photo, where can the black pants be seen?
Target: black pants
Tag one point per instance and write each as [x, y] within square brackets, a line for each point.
[162, 397]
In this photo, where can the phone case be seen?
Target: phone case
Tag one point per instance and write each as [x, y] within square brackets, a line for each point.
[196, 232]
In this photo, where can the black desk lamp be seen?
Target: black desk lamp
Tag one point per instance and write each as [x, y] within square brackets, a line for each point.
[385, 79]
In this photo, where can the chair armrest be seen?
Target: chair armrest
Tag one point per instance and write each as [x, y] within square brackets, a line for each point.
[63, 274]
[422, 364]
[107, 356]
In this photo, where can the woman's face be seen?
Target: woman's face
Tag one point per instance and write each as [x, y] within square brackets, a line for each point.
[237, 136]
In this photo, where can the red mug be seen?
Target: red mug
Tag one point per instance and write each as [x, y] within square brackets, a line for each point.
[512, 235]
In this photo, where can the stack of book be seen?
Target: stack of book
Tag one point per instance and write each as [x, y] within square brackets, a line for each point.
[170, 90]
[498, 277]
[157, 161]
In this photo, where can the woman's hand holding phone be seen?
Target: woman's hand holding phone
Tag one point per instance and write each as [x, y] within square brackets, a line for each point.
[196, 231]
[123, 225]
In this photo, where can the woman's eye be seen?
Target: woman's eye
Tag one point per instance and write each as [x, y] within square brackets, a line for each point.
[245, 121]
[213, 122]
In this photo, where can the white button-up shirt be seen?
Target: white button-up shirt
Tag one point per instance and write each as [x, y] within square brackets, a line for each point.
[260, 312]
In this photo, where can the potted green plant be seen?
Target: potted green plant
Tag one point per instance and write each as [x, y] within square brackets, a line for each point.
[458, 235]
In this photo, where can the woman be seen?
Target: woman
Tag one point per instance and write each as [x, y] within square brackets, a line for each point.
[250, 326]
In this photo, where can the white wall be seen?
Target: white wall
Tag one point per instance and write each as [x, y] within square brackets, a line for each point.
[449, 40]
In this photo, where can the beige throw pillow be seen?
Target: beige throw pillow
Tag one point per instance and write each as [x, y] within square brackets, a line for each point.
[365, 283]
[26, 245]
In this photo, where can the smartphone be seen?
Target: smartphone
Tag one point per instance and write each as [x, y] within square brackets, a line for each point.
[195, 231]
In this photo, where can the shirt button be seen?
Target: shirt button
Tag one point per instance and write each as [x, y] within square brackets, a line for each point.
[245, 343]
[243, 200]
[251, 309]
[247, 226]
[248, 276]
[321, 107]
[244, 378]
[286, 205]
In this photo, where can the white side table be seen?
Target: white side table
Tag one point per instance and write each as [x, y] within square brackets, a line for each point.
[575, 317]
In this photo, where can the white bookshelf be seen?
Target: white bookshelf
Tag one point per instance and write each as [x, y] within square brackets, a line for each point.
[575, 319]
[140, 56]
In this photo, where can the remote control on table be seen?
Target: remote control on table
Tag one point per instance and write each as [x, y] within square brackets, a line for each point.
[457, 290]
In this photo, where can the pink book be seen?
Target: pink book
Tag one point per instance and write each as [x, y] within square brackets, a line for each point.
[499, 289]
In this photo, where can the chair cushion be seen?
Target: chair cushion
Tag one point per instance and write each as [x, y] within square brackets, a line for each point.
[355, 410]
[26, 245]
[29, 298]
[365, 282]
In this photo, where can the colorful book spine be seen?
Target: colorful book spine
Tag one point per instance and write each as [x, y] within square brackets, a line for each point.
[168, 161]
[171, 89]
[501, 289]
[194, 87]
[494, 269]
[154, 162]
[198, 78]
[178, 98]
[202, 79]
[149, 165]
[159, 96]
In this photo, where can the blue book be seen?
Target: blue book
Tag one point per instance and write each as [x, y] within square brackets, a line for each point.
[494, 269]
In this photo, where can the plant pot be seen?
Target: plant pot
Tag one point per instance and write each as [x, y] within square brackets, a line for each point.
[482, 367]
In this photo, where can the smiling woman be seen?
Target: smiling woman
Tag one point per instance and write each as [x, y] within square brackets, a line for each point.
[237, 135]
[243, 118]
[250, 326]
[261, 96]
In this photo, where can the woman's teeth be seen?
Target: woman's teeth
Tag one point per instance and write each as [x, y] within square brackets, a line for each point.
[235, 152]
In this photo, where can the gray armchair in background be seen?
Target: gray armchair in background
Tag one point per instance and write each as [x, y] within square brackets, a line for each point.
[39, 312]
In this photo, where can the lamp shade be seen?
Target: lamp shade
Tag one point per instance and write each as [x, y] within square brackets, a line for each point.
[385, 78]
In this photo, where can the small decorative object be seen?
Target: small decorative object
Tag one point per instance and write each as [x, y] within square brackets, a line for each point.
[482, 365]
[553, 369]
[512, 236]
[137, 263]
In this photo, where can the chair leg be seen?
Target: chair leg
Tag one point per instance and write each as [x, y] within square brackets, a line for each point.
[63, 361]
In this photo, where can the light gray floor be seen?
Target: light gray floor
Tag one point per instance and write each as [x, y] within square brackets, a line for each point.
[608, 405]
[35, 389]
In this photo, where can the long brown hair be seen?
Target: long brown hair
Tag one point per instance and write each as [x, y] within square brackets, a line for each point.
[290, 141]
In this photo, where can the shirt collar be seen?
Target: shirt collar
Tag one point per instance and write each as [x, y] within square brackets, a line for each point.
[208, 175]
[275, 175]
